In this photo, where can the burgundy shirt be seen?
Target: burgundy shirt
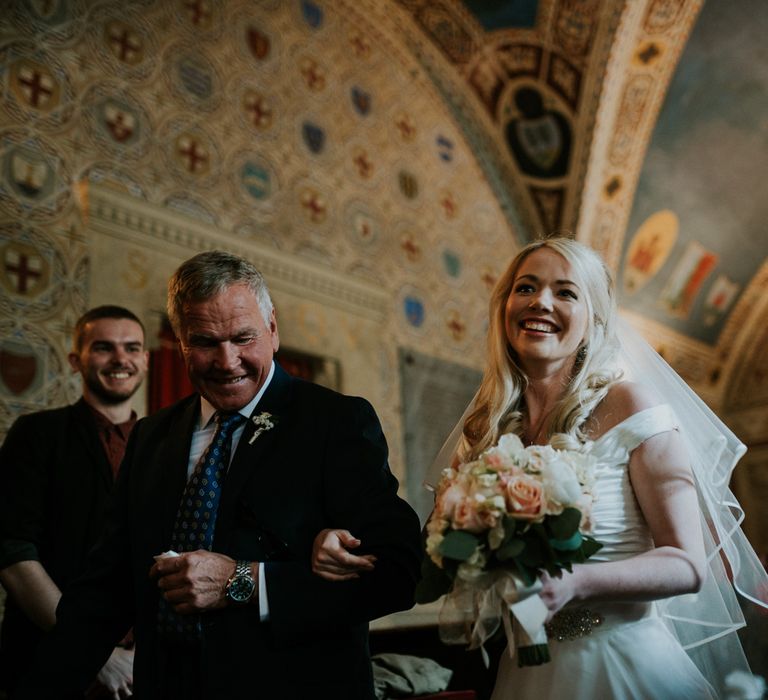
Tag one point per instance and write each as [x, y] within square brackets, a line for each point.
[113, 437]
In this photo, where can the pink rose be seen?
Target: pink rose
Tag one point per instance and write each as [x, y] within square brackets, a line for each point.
[523, 495]
[489, 518]
[495, 460]
[449, 499]
[466, 517]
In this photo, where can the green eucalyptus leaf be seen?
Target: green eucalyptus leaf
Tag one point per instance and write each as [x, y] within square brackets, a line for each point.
[534, 553]
[526, 573]
[510, 550]
[569, 545]
[589, 546]
[562, 527]
[459, 545]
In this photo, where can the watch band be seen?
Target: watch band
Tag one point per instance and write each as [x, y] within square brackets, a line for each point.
[242, 568]
[241, 585]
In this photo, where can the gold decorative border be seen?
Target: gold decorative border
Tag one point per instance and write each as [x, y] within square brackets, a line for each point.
[136, 221]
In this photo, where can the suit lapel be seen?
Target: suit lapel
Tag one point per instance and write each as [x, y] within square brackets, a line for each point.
[85, 424]
[173, 463]
[252, 449]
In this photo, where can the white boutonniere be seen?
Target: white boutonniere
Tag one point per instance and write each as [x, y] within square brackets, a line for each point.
[263, 422]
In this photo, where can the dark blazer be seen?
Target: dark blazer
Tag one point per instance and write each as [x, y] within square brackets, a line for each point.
[324, 464]
[55, 480]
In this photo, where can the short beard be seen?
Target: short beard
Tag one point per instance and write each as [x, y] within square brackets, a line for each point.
[107, 397]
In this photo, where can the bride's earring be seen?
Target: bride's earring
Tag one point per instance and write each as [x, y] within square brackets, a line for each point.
[581, 355]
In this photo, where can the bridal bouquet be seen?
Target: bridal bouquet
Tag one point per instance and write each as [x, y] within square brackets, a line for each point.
[498, 522]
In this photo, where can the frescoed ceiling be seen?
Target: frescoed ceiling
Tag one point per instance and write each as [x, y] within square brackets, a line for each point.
[405, 141]
[696, 238]
[698, 194]
[617, 122]
[518, 77]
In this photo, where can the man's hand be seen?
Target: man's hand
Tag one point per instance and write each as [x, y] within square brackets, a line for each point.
[194, 581]
[115, 680]
[332, 561]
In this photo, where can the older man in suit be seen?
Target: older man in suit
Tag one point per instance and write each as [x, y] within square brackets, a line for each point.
[57, 469]
[235, 609]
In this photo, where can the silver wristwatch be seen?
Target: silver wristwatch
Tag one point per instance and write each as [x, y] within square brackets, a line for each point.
[241, 584]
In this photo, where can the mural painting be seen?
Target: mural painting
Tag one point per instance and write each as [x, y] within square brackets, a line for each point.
[687, 278]
[649, 249]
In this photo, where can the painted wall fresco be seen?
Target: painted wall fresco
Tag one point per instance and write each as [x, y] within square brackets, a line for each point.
[295, 124]
[523, 66]
[697, 232]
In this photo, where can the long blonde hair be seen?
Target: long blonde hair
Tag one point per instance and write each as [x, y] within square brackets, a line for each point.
[498, 404]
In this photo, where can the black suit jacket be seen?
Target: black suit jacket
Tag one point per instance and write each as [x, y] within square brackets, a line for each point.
[324, 464]
[56, 480]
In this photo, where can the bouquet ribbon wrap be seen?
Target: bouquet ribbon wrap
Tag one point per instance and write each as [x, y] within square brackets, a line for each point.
[473, 611]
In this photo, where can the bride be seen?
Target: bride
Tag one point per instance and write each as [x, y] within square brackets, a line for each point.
[618, 623]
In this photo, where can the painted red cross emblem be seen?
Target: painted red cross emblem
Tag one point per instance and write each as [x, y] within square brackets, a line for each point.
[124, 43]
[313, 203]
[364, 228]
[412, 250]
[360, 46]
[456, 327]
[23, 270]
[449, 205]
[363, 164]
[259, 112]
[313, 75]
[120, 126]
[200, 11]
[194, 155]
[406, 128]
[37, 87]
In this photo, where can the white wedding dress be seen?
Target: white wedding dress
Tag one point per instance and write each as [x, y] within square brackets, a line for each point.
[631, 654]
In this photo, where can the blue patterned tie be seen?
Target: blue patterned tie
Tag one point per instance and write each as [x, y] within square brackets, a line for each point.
[196, 518]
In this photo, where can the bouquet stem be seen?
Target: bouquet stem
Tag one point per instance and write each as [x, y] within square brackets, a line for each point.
[529, 633]
[533, 655]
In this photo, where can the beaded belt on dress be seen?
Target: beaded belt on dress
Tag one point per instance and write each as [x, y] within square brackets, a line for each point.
[568, 625]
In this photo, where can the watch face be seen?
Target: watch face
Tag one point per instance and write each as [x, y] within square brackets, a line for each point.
[241, 589]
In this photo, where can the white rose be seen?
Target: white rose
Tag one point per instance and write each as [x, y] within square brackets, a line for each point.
[538, 456]
[511, 445]
[583, 465]
[560, 482]
[487, 481]
[497, 501]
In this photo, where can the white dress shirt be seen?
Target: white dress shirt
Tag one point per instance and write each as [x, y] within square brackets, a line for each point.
[201, 438]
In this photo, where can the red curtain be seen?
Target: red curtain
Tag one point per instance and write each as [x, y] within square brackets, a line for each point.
[168, 380]
[296, 364]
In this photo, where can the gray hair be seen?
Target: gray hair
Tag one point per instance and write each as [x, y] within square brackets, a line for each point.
[208, 274]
